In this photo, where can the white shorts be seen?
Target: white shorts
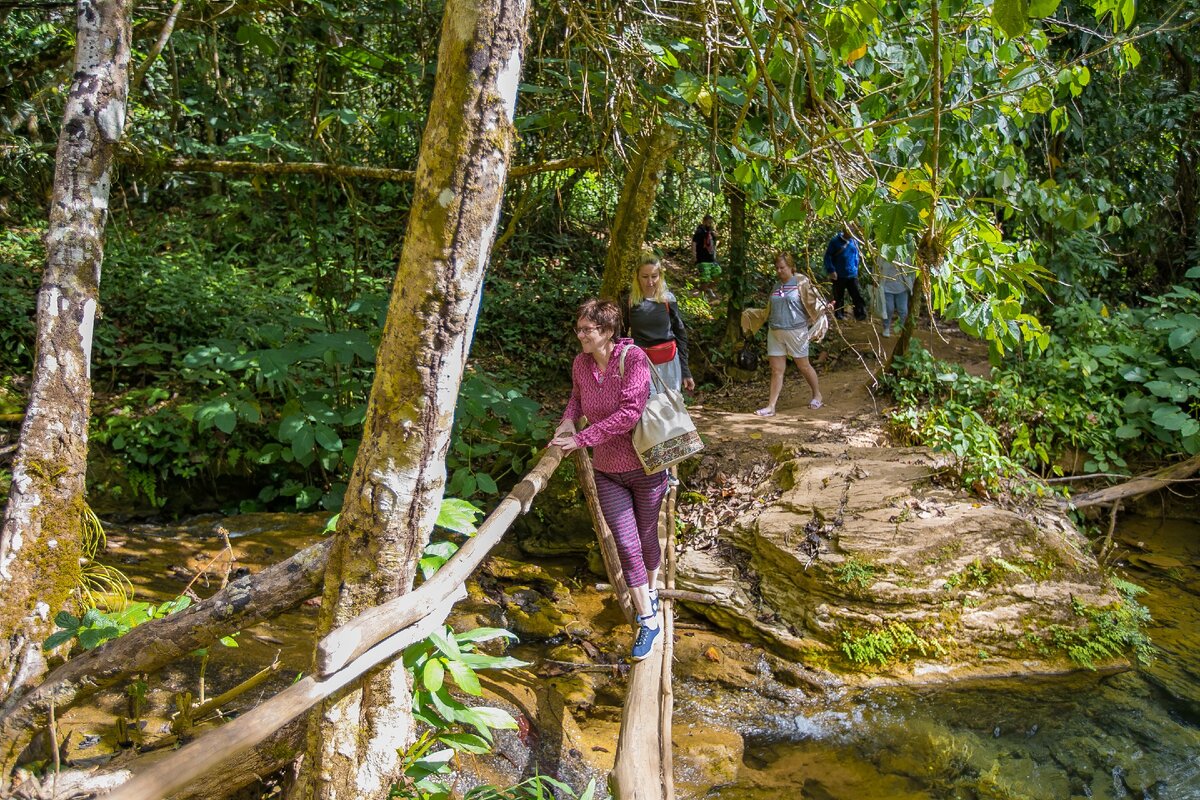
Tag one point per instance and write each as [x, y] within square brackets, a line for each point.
[793, 343]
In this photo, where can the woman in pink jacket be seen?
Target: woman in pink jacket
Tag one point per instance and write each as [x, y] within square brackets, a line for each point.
[612, 399]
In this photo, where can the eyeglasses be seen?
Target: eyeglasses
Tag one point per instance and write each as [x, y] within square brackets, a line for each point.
[586, 331]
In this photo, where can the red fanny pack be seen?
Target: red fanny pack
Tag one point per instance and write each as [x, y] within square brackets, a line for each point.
[660, 353]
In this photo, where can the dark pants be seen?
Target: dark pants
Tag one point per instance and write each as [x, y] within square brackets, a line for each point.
[840, 286]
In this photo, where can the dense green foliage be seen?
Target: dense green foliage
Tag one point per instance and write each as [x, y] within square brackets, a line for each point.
[1115, 389]
[241, 311]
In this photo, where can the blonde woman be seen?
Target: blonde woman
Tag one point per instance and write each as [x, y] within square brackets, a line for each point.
[795, 307]
[651, 316]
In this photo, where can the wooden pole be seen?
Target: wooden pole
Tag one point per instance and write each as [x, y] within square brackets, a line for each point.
[667, 700]
[608, 547]
[343, 645]
[214, 748]
[1143, 484]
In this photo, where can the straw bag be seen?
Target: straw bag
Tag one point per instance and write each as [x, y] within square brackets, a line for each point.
[665, 435]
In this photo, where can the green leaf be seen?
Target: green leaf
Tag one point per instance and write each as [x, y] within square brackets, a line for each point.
[1169, 418]
[1181, 337]
[308, 497]
[486, 484]
[446, 644]
[91, 638]
[327, 437]
[64, 619]
[228, 641]
[485, 635]
[466, 742]
[1012, 16]
[1043, 8]
[465, 677]
[893, 221]
[1037, 100]
[494, 718]
[1127, 432]
[433, 675]
[302, 441]
[290, 426]
[55, 639]
[458, 516]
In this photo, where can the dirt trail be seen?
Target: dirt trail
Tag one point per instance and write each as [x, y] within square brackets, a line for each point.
[846, 363]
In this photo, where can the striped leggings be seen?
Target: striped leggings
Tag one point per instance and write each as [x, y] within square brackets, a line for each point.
[630, 502]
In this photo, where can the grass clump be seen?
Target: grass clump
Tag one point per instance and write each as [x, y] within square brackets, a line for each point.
[1109, 631]
[855, 574]
[894, 641]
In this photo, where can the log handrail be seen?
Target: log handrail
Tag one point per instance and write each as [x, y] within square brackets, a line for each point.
[382, 633]
[343, 645]
[211, 749]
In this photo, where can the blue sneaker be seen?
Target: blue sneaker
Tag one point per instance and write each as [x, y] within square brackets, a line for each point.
[654, 601]
[644, 642]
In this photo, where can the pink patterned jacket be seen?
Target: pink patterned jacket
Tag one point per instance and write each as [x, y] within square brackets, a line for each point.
[613, 406]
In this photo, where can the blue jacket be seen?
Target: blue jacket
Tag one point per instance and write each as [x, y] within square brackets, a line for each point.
[841, 256]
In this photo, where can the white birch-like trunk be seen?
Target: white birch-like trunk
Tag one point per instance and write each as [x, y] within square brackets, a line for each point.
[40, 541]
[398, 478]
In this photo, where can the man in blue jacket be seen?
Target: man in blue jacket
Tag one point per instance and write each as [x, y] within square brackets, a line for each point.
[841, 261]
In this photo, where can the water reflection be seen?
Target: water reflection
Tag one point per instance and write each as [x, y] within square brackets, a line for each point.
[1132, 735]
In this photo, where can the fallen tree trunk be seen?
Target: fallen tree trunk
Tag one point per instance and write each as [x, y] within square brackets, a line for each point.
[212, 750]
[1143, 484]
[149, 647]
[272, 755]
[346, 170]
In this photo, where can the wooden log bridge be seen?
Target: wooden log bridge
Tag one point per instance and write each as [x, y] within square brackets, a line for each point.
[382, 633]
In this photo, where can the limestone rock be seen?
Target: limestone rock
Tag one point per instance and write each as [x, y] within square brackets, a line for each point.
[910, 581]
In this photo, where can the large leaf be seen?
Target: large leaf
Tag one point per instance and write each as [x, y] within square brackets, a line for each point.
[1012, 16]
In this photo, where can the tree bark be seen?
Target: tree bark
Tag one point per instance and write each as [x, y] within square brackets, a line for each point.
[396, 486]
[149, 647]
[347, 170]
[1143, 484]
[41, 538]
[633, 209]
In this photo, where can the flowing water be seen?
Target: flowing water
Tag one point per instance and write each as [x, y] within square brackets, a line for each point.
[1130, 735]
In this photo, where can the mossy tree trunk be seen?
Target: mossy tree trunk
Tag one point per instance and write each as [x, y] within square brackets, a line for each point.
[633, 208]
[396, 485]
[41, 538]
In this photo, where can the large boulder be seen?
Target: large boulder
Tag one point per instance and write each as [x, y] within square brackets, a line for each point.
[862, 564]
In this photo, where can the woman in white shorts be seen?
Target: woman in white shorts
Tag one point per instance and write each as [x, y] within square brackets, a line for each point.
[795, 305]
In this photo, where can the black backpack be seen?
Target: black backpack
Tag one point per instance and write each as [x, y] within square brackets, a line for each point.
[747, 357]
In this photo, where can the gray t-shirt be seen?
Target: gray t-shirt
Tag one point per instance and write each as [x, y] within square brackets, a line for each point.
[787, 308]
[896, 279]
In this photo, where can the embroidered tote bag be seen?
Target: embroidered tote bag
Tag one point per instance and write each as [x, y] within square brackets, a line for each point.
[665, 435]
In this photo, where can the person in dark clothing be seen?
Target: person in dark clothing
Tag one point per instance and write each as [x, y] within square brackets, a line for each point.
[704, 249]
[841, 262]
[652, 320]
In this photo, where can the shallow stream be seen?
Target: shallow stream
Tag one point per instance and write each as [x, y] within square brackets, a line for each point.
[1130, 735]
